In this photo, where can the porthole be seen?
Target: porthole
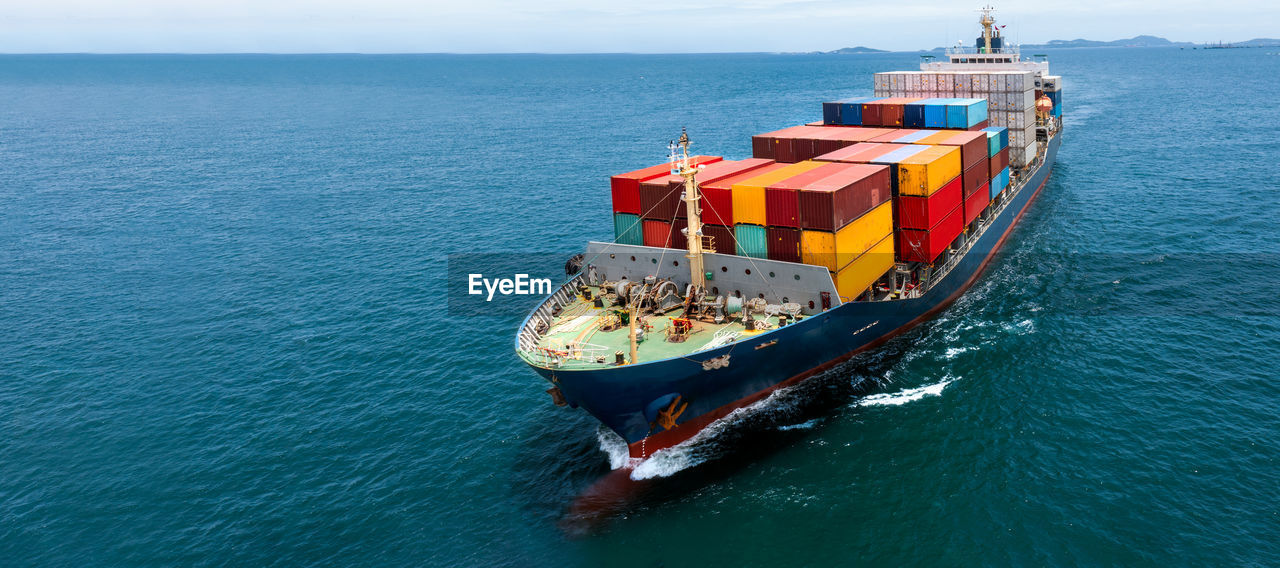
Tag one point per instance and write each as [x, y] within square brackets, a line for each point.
[762, 295]
[724, 269]
[811, 304]
[612, 256]
[654, 260]
[633, 259]
[675, 263]
[797, 277]
[748, 272]
[771, 274]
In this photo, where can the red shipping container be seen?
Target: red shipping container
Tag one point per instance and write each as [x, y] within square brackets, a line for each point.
[657, 233]
[714, 173]
[978, 126]
[890, 111]
[974, 204]
[923, 213]
[925, 246]
[721, 238]
[626, 187]
[830, 140]
[975, 176]
[764, 145]
[973, 147]
[782, 199]
[784, 243]
[871, 113]
[998, 163]
[832, 202]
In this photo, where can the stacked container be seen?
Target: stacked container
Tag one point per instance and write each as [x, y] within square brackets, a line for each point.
[625, 188]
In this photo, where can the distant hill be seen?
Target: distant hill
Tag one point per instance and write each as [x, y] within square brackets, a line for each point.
[1137, 41]
[1257, 42]
[849, 50]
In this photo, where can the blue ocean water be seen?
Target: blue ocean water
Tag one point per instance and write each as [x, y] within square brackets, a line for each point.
[227, 339]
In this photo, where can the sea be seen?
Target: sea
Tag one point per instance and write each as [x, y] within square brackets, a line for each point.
[227, 335]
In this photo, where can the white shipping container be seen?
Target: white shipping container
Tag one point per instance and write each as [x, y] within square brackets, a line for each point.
[878, 82]
[1052, 83]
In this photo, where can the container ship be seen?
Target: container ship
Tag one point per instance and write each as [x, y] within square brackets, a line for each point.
[729, 279]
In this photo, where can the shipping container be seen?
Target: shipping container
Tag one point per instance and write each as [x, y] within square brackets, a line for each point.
[1002, 136]
[765, 145]
[784, 243]
[751, 240]
[717, 195]
[782, 199]
[831, 113]
[714, 173]
[929, 170]
[857, 277]
[975, 176]
[660, 198]
[999, 162]
[834, 201]
[926, 246]
[974, 204]
[973, 145]
[657, 233]
[935, 112]
[721, 239]
[854, 153]
[835, 250]
[999, 183]
[902, 136]
[918, 212]
[625, 188]
[851, 110]
[964, 113]
[749, 195]
[627, 229]
[679, 230]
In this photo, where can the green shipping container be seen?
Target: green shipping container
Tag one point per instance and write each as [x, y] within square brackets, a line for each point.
[627, 229]
[752, 241]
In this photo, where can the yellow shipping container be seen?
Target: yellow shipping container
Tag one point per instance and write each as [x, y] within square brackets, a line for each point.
[748, 196]
[834, 250]
[859, 275]
[927, 171]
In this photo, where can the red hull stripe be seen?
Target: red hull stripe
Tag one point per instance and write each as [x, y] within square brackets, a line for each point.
[684, 431]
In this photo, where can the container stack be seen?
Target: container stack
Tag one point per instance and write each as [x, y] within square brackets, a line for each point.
[625, 190]
[661, 205]
[1010, 97]
[1052, 87]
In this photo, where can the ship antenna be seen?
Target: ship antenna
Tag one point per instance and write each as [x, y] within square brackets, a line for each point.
[692, 201]
[987, 21]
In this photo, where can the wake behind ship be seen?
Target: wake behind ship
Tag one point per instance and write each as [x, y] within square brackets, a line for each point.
[729, 279]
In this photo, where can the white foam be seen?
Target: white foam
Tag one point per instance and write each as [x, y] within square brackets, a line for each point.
[806, 425]
[905, 396]
[953, 352]
[684, 455]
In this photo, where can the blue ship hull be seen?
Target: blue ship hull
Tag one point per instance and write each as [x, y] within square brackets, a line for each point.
[618, 396]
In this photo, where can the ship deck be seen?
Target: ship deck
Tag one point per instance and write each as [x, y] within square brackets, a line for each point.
[576, 340]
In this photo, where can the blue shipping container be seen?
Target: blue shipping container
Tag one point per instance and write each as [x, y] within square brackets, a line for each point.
[627, 229]
[1000, 182]
[966, 113]
[935, 113]
[851, 110]
[831, 113]
[751, 241]
[1004, 136]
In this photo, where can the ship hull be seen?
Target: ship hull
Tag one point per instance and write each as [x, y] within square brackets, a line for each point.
[619, 396]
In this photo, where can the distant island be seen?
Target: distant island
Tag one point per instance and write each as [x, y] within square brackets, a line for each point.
[852, 50]
[1136, 41]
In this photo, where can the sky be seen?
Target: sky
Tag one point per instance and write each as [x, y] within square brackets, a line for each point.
[577, 26]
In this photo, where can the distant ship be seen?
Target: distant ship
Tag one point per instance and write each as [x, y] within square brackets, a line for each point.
[731, 279]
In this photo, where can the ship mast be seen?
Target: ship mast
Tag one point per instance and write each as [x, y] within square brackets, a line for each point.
[987, 21]
[692, 200]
